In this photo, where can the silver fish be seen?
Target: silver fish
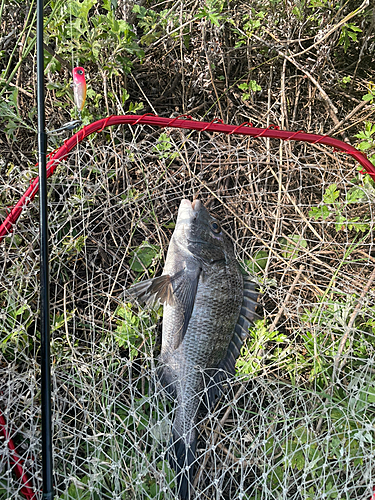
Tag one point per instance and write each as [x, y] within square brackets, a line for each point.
[208, 308]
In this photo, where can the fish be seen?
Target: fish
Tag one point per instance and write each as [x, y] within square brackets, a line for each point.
[208, 307]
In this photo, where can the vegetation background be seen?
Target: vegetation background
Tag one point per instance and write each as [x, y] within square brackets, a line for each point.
[305, 64]
[300, 65]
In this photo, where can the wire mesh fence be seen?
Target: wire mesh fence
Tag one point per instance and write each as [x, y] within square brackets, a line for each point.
[296, 422]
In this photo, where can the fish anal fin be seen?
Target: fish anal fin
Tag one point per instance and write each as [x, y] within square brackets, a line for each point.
[166, 381]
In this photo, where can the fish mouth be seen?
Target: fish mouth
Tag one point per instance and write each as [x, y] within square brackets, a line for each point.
[196, 205]
[189, 211]
[187, 214]
[187, 206]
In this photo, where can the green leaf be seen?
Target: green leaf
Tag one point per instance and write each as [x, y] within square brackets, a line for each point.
[352, 35]
[290, 248]
[141, 11]
[331, 194]
[318, 212]
[22, 309]
[81, 9]
[78, 490]
[143, 256]
[357, 226]
[212, 11]
[254, 86]
[353, 27]
[371, 394]
[298, 460]
[107, 5]
[348, 33]
[243, 86]
[354, 195]
[368, 97]
[362, 135]
[258, 262]
[125, 96]
[134, 107]
[149, 38]
[370, 128]
[364, 146]
[340, 222]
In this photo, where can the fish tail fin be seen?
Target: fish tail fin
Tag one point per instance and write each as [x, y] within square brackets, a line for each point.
[181, 460]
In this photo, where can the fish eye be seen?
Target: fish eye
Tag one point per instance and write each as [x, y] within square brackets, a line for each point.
[215, 227]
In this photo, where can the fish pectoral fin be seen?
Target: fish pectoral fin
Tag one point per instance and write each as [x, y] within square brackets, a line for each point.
[185, 284]
[181, 288]
[150, 291]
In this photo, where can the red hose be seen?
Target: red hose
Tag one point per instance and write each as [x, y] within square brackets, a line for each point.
[181, 122]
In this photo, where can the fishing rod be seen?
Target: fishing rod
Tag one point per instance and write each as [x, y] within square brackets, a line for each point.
[47, 458]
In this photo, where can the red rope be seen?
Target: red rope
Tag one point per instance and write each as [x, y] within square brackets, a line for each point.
[187, 117]
[293, 136]
[184, 122]
[16, 460]
[208, 125]
[236, 130]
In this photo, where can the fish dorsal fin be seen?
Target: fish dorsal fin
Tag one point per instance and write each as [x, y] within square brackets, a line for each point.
[247, 316]
[245, 320]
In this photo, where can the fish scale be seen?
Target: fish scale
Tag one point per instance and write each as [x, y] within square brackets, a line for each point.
[208, 308]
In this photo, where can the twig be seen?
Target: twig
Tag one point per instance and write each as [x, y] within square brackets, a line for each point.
[277, 217]
[210, 70]
[353, 112]
[344, 339]
[336, 27]
[367, 38]
[20, 89]
[296, 99]
[351, 322]
[331, 107]
[144, 95]
[62, 61]
[287, 298]
[284, 111]
[296, 207]
[235, 459]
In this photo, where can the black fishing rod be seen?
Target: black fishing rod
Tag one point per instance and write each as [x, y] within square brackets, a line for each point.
[47, 459]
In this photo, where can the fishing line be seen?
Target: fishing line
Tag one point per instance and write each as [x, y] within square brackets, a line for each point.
[73, 124]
